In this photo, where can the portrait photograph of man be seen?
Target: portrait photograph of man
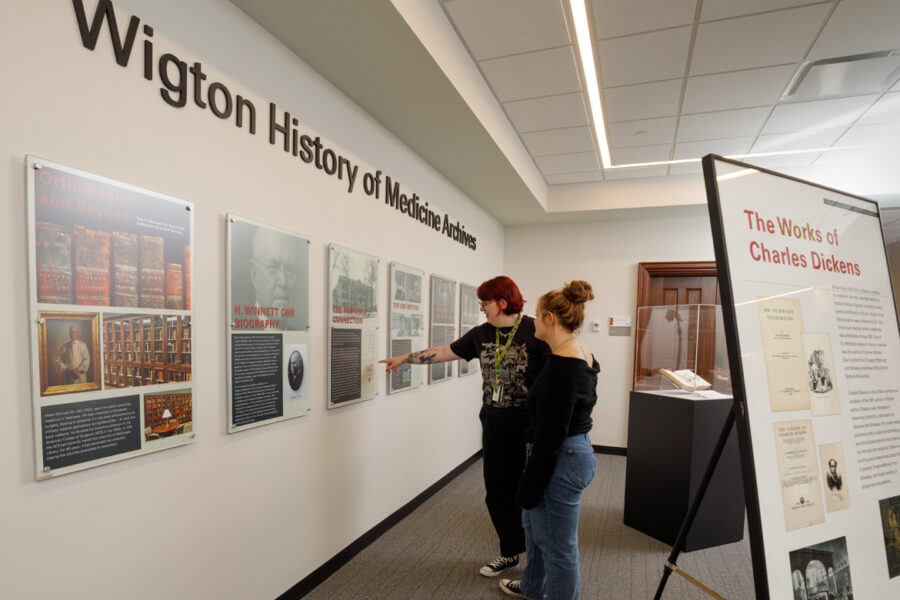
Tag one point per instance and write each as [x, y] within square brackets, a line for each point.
[269, 277]
[294, 385]
[69, 352]
[837, 494]
[295, 370]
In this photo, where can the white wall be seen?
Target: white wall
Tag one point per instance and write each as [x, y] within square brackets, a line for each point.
[232, 516]
[606, 254]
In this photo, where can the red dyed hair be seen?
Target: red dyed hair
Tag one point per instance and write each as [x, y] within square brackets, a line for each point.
[502, 288]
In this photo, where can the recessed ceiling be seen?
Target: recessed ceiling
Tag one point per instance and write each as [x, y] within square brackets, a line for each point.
[682, 78]
[678, 79]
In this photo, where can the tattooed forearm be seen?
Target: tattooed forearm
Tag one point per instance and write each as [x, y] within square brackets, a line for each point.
[421, 357]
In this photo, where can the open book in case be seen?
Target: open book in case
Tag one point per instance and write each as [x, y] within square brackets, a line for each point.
[681, 346]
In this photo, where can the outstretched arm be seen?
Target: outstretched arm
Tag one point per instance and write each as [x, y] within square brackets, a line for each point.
[437, 354]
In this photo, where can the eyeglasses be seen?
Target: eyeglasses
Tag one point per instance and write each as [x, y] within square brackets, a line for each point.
[486, 303]
[276, 268]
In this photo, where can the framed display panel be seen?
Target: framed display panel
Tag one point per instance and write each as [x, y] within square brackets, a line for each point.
[813, 344]
[469, 317]
[443, 324]
[267, 303]
[407, 331]
[352, 325]
[109, 300]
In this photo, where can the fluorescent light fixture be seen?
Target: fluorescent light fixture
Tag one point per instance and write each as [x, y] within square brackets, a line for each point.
[683, 161]
[736, 174]
[791, 293]
[586, 52]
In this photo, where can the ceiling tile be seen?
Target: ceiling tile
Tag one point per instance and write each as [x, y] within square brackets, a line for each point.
[645, 57]
[492, 28]
[821, 114]
[646, 132]
[543, 73]
[559, 141]
[643, 101]
[627, 156]
[886, 110]
[614, 17]
[776, 163]
[845, 157]
[724, 9]
[568, 163]
[685, 169]
[882, 135]
[859, 26]
[555, 112]
[740, 89]
[574, 177]
[724, 124]
[636, 173]
[798, 140]
[758, 41]
[723, 147]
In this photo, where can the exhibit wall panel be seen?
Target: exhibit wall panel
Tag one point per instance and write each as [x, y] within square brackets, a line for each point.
[605, 254]
[231, 516]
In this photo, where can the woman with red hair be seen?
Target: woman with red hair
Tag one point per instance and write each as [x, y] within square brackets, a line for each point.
[510, 357]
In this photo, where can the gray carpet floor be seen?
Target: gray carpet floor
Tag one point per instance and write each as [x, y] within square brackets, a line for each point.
[435, 552]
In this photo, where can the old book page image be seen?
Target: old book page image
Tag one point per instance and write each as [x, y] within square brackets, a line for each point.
[795, 449]
[781, 323]
[820, 374]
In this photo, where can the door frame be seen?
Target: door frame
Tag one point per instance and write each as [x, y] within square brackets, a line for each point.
[648, 270]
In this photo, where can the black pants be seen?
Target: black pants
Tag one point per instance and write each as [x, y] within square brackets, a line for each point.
[503, 442]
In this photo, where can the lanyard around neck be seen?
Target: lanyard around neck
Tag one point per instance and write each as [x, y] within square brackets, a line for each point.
[498, 353]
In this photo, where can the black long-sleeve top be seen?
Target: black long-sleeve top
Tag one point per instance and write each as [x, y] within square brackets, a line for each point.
[559, 403]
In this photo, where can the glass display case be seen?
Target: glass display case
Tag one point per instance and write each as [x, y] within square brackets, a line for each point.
[681, 347]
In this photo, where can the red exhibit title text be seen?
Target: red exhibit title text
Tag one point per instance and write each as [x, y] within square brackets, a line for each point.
[801, 232]
[260, 311]
[352, 315]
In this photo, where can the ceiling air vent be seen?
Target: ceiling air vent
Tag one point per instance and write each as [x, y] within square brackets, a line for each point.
[869, 73]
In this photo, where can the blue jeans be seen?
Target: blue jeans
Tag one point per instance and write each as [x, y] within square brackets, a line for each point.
[553, 567]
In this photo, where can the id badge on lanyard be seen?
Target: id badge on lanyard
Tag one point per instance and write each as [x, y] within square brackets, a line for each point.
[499, 354]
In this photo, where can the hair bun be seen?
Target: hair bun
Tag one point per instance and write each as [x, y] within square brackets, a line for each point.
[578, 292]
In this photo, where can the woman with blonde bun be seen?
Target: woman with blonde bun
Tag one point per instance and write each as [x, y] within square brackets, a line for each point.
[561, 460]
[511, 357]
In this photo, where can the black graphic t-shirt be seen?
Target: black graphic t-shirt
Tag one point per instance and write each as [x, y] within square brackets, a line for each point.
[520, 366]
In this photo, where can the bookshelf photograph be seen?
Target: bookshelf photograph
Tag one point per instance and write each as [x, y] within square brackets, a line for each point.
[167, 414]
[141, 350]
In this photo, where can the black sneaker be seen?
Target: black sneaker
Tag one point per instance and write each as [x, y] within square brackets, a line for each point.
[498, 565]
[513, 587]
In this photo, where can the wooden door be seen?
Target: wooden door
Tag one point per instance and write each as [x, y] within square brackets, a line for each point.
[671, 284]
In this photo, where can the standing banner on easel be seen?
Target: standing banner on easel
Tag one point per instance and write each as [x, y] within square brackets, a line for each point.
[814, 347]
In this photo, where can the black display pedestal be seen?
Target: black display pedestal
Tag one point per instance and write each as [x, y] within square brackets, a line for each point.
[671, 436]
